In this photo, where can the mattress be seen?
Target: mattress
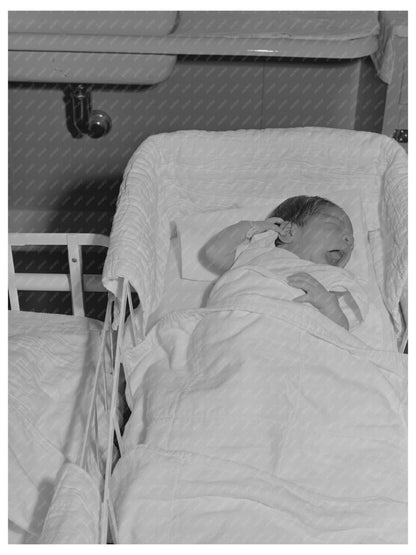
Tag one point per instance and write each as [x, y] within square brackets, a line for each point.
[51, 365]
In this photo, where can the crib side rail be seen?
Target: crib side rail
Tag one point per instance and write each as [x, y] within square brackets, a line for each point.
[74, 282]
[125, 326]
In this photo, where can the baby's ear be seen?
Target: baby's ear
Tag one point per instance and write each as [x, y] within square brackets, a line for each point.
[287, 232]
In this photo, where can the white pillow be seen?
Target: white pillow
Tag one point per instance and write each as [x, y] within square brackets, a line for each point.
[196, 230]
[179, 293]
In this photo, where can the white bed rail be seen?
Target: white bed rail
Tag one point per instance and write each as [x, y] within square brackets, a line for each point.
[74, 282]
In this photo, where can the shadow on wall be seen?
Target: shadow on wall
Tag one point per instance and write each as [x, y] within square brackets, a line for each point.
[86, 208]
[78, 211]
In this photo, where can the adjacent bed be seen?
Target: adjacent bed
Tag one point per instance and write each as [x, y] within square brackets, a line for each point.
[52, 377]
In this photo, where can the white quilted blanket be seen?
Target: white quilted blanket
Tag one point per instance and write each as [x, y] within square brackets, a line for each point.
[176, 174]
[52, 360]
[73, 516]
[259, 420]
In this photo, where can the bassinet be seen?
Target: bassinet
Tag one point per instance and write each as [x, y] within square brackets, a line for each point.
[172, 176]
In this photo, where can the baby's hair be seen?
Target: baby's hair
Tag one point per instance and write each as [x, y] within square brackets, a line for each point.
[299, 209]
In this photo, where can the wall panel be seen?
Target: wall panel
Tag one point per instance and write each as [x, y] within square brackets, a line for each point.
[60, 183]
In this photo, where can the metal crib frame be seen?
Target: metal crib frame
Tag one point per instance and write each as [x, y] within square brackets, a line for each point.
[107, 517]
[73, 282]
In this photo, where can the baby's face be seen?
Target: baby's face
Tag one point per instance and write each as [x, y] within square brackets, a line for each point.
[326, 238]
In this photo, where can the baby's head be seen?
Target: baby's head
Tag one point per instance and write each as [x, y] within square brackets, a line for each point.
[315, 229]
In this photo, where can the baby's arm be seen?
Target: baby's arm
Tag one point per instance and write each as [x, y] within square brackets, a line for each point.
[219, 252]
[319, 297]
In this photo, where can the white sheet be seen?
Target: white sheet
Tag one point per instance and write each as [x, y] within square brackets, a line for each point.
[74, 514]
[51, 365]
[261, 421]
[176, 174]
[178, 293]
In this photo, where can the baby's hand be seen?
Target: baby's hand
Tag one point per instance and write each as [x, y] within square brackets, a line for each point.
[271, 224]
[315, 292]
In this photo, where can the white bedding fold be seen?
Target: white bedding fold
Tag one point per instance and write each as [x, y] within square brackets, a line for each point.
[52, 359]
[262, 421]
[74, 514]
[183, 497]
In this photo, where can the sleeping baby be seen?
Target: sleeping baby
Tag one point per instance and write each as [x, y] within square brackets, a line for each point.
[304, 244]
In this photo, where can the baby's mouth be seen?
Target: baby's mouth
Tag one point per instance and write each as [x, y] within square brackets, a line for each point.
[333, 257]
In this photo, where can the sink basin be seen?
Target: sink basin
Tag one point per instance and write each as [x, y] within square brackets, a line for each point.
[126, 23]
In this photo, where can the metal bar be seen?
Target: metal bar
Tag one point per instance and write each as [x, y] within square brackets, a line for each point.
[106, 327]
[13, 295]
[113, 406]
[110, 332]
[103, 522]
[118, 434]
[75, 271]
[113, 522]
[73, 282]
[132, 320]
[112, 353]
[45, 239]
[404, 340]
[97, 452]
[56, 282]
